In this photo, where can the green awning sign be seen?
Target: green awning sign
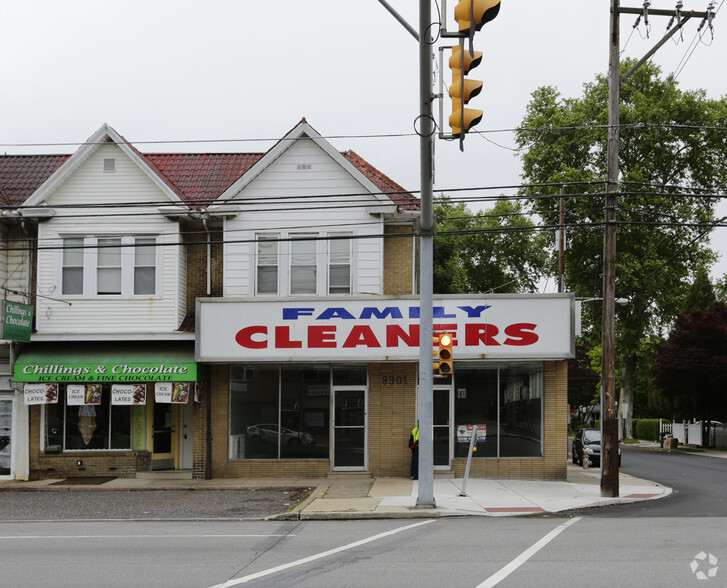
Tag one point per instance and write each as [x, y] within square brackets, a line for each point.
[84, 363]
[17, 321]
[114, 372]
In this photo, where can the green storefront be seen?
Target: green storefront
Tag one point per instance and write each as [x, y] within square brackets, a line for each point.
[109, 409]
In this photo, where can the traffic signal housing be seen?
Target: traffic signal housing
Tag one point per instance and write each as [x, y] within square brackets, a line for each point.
[472, 14]
[443, 358]
[462, 90]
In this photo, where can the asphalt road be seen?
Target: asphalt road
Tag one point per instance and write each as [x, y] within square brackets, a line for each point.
[683, 537]
[699, 483]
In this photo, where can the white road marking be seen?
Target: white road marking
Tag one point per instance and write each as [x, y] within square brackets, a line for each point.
[526, 555]
[305, 560]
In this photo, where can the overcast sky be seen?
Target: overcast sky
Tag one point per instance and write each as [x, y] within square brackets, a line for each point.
[173, 70]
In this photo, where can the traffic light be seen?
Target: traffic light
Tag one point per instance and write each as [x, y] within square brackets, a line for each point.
[442, 363]
[472, 14]
[445, 354]
[461, 62]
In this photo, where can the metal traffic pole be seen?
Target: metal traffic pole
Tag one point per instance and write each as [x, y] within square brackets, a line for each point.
[425, 497]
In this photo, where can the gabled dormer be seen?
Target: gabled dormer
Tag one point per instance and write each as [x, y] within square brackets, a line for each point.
[109, 259]
[307, 220]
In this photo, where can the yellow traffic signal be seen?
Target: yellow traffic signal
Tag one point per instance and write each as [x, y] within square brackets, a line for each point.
[472, 14]
[461, 90]
[435, 354]
[446, 366]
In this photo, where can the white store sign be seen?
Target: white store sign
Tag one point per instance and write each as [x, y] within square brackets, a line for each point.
[380, 328]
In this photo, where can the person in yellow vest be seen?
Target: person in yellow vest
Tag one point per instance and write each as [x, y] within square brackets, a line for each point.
[414, 448]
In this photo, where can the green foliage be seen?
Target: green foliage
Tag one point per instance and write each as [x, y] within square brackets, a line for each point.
[671, 143]
[701, 293]
[647, 429]
[486, 251]
[720, 289]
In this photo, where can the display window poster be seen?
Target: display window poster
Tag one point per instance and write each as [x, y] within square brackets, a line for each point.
[163, 392]
[75, 394]
[93, 394]
[464, 433]
[180, 394]
[40, 394]
[171, 392]
[128, 394]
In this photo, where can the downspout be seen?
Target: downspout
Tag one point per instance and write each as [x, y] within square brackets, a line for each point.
[209, 256]
[208, 395]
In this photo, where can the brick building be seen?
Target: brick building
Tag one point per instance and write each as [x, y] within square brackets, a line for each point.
[265, 306]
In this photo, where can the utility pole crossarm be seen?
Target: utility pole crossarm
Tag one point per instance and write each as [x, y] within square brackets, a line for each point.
[656, 47]
[660, 12]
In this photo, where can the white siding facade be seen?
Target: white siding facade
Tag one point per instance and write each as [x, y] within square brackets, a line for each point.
[132, 199]
[303, 191]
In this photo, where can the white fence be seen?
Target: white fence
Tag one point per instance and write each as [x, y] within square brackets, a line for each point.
[693, 433]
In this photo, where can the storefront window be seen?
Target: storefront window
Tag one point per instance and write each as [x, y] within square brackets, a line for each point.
[87, 427]
[521, 415]
[475, 403]
[305, 411]
[507, 401]
[254, 411]
[284, 412]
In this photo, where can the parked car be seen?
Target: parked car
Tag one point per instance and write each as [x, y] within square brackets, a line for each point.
[587, 443]
[268, 433]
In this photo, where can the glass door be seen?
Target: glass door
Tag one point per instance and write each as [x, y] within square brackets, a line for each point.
[442, 427]
[164, 438]
[6, 436]
[349, 429]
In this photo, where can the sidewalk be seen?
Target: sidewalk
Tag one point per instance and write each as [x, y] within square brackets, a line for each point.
[361, 497]
[396, 497]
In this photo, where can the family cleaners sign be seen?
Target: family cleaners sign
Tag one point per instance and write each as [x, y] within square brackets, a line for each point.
[378, 328]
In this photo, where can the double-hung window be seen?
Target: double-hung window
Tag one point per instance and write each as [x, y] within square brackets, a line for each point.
[145, 265]
[267, 264]
[339, 263]
[303, 263]
[107, 266]
[72, 266]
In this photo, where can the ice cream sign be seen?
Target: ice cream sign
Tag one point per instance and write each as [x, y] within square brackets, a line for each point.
[525, 326]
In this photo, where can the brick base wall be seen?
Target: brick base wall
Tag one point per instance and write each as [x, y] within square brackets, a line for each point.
[391, 416]
[43, 466]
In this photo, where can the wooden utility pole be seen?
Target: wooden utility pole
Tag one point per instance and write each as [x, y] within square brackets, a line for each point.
[609, 420]
[609, 423]
[561, 242]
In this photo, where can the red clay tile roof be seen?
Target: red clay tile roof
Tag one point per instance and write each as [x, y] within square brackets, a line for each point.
[21, 175]
[388, 186]
[197, 178]
[202, 177]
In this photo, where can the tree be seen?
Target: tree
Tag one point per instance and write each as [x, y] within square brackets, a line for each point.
[720, 289]
[493, 251]
[670, 154]
[701, 293]
[690, 371]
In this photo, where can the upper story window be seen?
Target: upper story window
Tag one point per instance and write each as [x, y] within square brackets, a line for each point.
[267, 264]
[289, 264]
[339, 263]
[72, 279]
[303, 263]
[107, 266]
[145, 265]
